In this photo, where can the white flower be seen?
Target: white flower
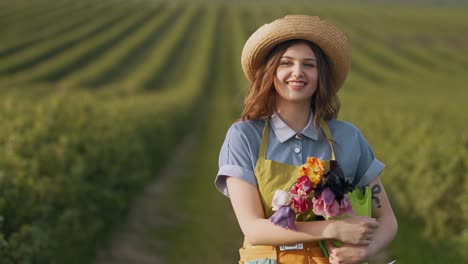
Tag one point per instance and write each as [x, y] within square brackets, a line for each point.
[281, 198]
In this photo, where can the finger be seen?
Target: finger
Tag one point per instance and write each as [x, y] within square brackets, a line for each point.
[329, 246]
[371, 224]
[367, 218]
[364, 242]
[374, 226]
[368, 241]
[371, 235]
[374, 223]
[364, 238]
[332, 259]
[368, 235]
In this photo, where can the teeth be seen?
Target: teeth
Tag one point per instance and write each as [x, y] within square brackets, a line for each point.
[297, 83]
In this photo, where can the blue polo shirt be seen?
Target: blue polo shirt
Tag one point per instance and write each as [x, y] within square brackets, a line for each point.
[239, 152]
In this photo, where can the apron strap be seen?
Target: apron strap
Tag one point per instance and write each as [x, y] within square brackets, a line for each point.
[264, 144]
[328, 134]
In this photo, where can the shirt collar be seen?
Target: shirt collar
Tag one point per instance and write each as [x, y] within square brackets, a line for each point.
[284, 132]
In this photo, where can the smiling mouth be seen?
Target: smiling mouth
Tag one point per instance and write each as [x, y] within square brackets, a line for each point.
[296, 83]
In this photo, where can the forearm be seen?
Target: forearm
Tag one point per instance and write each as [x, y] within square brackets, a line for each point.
[263, 232]
[383, 212]
[384, 235]
[258, 230]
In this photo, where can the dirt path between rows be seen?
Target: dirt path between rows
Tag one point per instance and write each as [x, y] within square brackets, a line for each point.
[127, 243]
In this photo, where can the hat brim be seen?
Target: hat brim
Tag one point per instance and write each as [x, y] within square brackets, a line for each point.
[329, 38]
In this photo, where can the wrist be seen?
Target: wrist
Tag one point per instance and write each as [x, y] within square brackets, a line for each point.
[331, 231]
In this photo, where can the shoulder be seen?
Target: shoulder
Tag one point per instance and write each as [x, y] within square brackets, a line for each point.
[341, 128]
[242, 141]
[246, 128]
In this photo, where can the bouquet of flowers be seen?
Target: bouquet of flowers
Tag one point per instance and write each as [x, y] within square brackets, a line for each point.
[323, 193]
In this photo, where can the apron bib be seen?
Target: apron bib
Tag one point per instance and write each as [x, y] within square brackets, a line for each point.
[272, 175]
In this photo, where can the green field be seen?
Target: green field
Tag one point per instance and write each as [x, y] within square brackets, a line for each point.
[96, 96]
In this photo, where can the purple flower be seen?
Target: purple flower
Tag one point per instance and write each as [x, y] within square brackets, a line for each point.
[284, 217]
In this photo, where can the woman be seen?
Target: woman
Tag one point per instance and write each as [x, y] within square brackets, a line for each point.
[296, 65]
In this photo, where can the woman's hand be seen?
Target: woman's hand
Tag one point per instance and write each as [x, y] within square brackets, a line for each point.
[347, 254]
[356, 230]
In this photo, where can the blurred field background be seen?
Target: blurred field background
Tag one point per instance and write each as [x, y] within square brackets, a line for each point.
[104, 103]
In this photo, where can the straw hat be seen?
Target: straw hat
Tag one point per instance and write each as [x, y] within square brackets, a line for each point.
[330, 39]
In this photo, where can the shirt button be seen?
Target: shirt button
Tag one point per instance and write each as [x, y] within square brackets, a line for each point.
[297, 150]
[298, 136]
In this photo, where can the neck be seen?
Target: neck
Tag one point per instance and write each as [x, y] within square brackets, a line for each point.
[296, 116]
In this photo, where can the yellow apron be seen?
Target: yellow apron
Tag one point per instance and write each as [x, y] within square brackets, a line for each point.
[272, 176]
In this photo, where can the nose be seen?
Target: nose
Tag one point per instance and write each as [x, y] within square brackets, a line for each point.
[297, 71]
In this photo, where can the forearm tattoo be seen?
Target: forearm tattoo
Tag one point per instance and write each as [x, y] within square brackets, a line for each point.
[376, 189]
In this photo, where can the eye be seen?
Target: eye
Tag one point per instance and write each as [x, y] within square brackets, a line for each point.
[311, 65]
[285, 62]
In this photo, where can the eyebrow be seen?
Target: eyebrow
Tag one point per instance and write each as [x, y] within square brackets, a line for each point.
[287, 57]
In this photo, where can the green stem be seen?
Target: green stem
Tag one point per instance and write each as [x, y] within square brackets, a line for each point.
[323, 247]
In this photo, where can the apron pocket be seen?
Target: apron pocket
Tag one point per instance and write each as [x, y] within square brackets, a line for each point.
[257, 254]
[321, 260]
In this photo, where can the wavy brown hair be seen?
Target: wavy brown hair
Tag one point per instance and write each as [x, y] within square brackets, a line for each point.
[259, 103]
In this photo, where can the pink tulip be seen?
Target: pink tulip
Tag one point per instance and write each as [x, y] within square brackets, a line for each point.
[302, 187]
[301, 203]
[325, 204]
[345, 207]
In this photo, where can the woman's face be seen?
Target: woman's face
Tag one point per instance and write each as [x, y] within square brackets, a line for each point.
[296, 75]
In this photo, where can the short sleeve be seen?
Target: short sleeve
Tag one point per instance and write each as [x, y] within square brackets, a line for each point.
[368, 166]
[236, 158]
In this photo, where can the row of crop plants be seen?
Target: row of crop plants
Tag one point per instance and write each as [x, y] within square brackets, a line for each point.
[80, 28]
[73, 159]
[24, 39]
[130, 49]
[50, 68]
[131, 55]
